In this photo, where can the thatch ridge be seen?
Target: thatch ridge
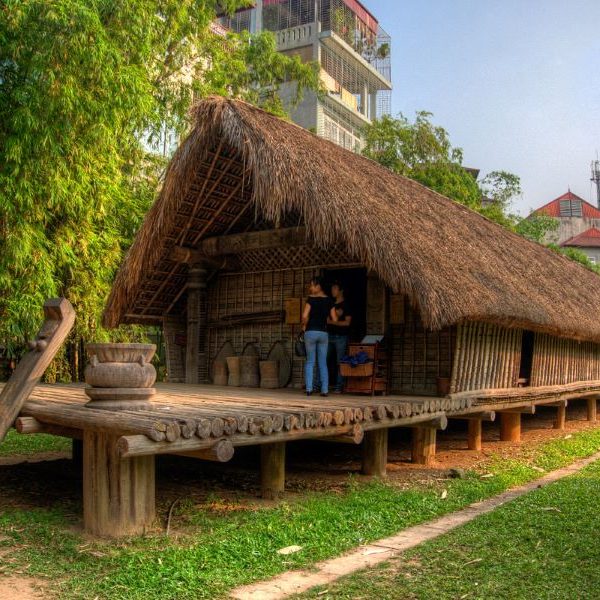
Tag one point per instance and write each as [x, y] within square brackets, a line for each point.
[455, 264]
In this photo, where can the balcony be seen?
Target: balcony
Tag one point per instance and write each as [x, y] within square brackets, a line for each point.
[296, 37]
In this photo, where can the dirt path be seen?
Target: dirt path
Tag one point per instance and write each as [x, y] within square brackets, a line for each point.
[15, 587]
[294, 582]
[20, 588]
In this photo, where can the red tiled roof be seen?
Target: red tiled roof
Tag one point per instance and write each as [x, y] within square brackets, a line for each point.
[587, 239]
[552, 209]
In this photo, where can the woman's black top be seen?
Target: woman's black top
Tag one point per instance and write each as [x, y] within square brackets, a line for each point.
[343, 311]
[320, 307]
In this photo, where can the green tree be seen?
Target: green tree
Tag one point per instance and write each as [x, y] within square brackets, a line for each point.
[501, 187]
[85, 85]
[535, 227]
[576, 255]
[422, 151]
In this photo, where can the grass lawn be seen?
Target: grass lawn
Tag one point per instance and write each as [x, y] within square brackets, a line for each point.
[16, 444]
[225, 544]
[543, 545]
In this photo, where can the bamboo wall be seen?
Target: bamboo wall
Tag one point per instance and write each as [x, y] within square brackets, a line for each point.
[487, 357]
[254, 292]
[174, 330]
[418, 356]
[557, 361]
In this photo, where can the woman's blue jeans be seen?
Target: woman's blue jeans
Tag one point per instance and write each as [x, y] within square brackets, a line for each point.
[338, 347]
[317, 344]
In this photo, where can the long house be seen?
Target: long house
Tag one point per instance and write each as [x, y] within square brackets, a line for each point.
[253, 206]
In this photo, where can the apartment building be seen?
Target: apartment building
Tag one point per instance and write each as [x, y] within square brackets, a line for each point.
[354, 54]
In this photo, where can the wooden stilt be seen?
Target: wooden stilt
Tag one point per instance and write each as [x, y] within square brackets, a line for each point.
[423, 445]
[118, 493]
[375, 450]
[592, 409]
[272, 470]
[561, 417]
[475, 434]
[510, 427]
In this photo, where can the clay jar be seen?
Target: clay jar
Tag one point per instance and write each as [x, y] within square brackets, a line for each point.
[120, 375]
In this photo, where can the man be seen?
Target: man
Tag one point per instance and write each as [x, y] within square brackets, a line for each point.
[339, 332]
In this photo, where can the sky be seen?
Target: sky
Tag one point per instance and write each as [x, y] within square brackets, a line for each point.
[515, 82]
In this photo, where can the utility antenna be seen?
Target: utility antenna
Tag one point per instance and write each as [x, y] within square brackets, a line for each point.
[596, 179]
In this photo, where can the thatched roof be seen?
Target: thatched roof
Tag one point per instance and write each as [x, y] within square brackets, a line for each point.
[455, 264]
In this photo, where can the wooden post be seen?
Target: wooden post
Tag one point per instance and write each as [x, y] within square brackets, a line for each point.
[118, 493]
[475, 434]
[375, 451]
[196, 324]
[423, 445]
[592, 409]
[59, 317]
[561, 416]
[272, 470]
[510, 427]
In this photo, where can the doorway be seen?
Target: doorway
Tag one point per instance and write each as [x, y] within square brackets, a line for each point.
[526, 364]
[354, 284]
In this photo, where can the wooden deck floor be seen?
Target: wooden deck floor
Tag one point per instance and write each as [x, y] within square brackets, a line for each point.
[189, 417]
[194, 417]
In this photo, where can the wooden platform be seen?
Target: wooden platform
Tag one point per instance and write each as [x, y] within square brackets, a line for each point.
[194, 417]
[209, 422]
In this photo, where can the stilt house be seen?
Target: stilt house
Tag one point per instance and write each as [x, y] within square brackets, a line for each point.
[252, 206]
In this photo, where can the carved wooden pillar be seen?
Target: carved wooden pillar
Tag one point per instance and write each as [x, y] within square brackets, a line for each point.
[195, 359]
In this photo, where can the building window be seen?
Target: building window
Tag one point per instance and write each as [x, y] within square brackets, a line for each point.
[592, 259]
[571, 208]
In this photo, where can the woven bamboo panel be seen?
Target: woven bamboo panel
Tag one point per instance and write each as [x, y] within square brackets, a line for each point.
[174, 330]
[254, 292]
[292, 258]
[419, 356]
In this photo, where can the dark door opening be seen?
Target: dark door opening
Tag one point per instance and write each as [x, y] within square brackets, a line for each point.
[526, 358]
[354, 284]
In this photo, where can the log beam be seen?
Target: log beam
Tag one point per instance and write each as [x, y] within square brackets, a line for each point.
[520, 410]
[423, 445]
[272, 470]
[217, 247]
[284, 237]
[488, 415]
[355, 436]
[118, 494]
[28, 425]
[475, 435]
[510, 426]
[222, 451]
[375, 452]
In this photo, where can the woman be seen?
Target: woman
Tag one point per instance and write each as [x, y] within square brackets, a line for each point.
[318, 308]
[339, 332]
